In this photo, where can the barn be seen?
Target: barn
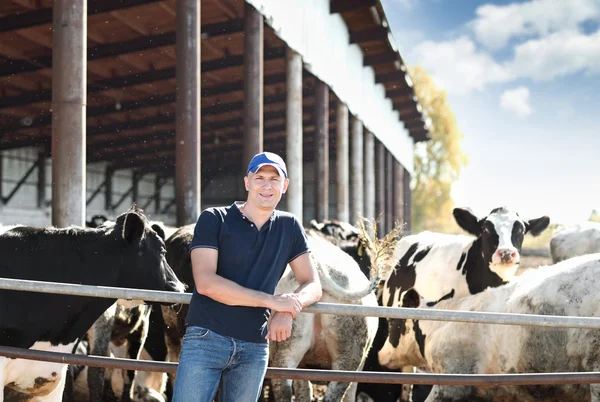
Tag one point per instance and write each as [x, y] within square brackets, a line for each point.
[163, 102]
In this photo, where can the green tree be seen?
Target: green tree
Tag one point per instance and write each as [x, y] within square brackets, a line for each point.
[438, 162]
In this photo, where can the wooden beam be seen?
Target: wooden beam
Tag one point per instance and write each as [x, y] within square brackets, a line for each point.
[136, 79]
[341, 6]
[17, 66]
[396, 76]
[134, 26]
[381, 58]
[368, 35]
[44, 15]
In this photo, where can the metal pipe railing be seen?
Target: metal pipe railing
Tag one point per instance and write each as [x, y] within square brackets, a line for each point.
[321, 375]
[321, 308]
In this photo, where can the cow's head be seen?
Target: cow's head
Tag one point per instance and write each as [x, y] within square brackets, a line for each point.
[144, 256]
[501, 235]
[405, 344]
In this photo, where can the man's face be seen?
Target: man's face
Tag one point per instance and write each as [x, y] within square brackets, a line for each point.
[265, 187]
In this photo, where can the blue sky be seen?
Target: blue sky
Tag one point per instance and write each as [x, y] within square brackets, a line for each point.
[523, 78]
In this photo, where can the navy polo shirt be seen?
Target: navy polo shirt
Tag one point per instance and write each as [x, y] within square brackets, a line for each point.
[251, 258]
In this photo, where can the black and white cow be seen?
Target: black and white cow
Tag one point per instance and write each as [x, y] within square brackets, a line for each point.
[569, 288]
[128, 254]
[437, 264]
[575, 240]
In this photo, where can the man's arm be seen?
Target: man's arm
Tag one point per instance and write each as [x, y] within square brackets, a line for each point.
[208, 283]
[306, 274]
[309, 292]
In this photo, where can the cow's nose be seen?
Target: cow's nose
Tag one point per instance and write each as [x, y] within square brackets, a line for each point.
[507, 254]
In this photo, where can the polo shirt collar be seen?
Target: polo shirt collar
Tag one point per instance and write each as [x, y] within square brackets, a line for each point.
[237, 204]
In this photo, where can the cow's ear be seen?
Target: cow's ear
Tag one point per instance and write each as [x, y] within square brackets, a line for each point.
[133, 227]
[467, 221]
[411, 298]
[159, 230]
[537, 226]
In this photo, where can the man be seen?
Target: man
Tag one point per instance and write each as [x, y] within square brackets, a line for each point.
[238, 254]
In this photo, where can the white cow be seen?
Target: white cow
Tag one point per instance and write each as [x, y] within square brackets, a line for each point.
[328, 341]
[571, 287]
[571, 241]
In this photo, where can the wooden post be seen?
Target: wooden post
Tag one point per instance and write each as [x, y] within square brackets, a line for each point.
[321, 151]
[380, 187]
[389, 196]
[253, 83]
[69, 84]
[369, 175]
[407, 203]
[294, 133]
[356, 171]
[342, 162]
[157, 188]
[398, 193]
[41, 179]
[108, 175]
[187, 128]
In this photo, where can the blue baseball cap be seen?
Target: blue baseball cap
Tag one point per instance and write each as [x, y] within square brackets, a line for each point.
[267, 159]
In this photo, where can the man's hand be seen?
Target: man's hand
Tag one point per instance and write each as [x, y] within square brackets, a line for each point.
[280, 327]
[286, 303]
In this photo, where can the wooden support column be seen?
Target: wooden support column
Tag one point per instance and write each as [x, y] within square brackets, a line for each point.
[369, 175]
[253, 83]
[157, 187]
[41, 179]
[342, 163]
[407, 202]
[321, 117]
[108, 175]
[294, 133]
[187, 126]
[380, 189]
[69, 71]
[135, 186]
[356, 171]
[398, 193]
[1, 178]
[389, 196]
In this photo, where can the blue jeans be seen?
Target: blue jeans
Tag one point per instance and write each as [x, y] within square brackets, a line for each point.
[209, 361]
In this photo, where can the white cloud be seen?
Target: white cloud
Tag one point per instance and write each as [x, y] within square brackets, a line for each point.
[458, 66]
[495, 25]
[557, 55]
[516, 101]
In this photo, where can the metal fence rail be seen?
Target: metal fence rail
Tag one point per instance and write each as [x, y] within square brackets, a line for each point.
[322, 375]
[322, 308]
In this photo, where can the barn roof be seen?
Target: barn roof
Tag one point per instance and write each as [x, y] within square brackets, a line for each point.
[131, 80]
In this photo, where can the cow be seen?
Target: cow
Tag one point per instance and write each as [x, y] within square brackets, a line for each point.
[568, 288]
[436, 264]
[346, 236]
[575, 240]
[128, 254]
[321, 340]
[120, 332]
[96, 221]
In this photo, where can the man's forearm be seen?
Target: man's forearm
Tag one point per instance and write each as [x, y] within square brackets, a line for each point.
[309, 293]
[228, 292]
